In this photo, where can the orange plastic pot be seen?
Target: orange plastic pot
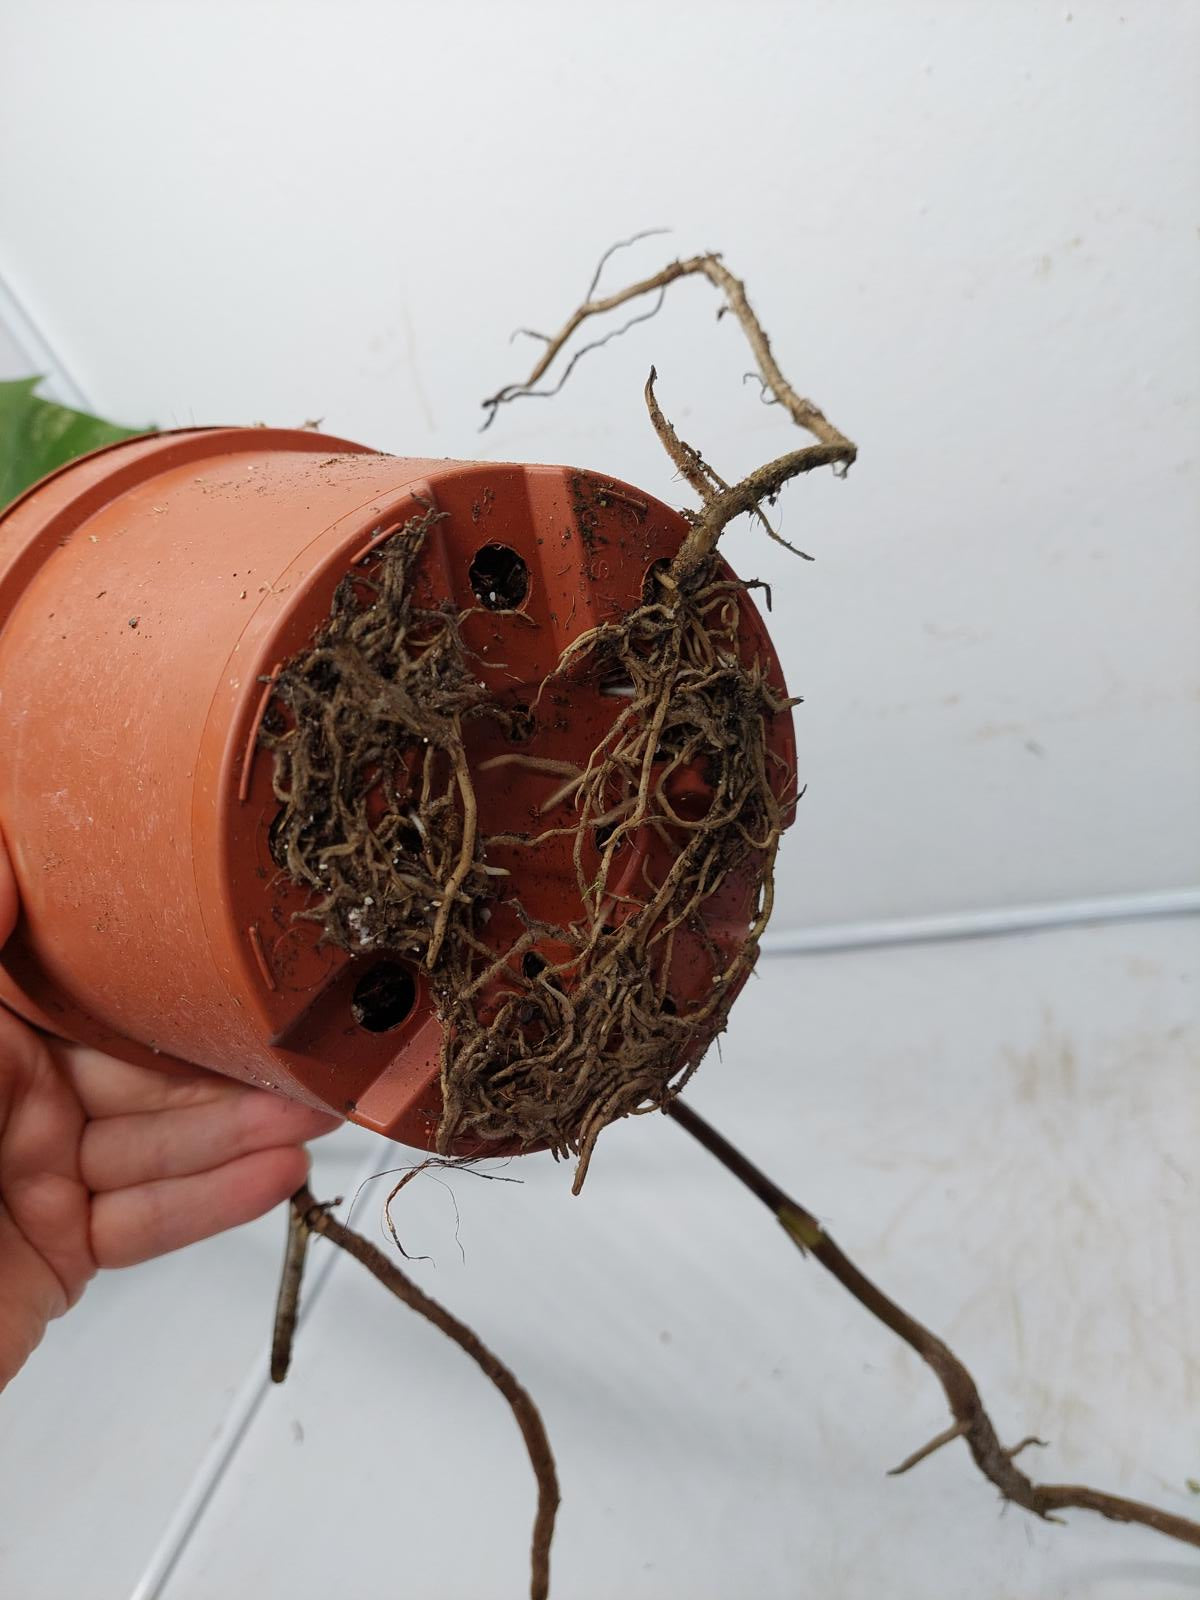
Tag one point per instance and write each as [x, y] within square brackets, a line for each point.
[147, 594]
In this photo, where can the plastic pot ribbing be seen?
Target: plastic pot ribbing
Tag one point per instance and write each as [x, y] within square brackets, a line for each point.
[146, 594]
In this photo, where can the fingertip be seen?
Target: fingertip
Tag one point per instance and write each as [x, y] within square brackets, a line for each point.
[325, 1122]
[281, 1121]
[284, 1169]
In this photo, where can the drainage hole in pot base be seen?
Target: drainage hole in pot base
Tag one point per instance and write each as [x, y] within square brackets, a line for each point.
[383, 997]
[499, 577]
[604, 833]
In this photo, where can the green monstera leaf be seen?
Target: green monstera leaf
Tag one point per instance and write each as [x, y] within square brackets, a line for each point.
[36, 436]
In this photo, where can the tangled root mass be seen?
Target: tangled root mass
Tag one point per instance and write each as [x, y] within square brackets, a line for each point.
[379, 821]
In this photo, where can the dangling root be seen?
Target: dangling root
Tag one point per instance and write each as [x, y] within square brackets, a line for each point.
[308, 1216]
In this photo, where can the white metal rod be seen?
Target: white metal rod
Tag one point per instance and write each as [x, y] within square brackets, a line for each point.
[980, 924]
[43, 359]
[233, 1427]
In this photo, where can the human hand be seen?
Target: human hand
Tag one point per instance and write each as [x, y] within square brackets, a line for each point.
[103, 1164]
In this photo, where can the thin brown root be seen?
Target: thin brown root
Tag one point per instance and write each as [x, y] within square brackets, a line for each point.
[720, 502]
[955, 1431]
[287, 1302]
[971, 1420]
[310, 1216]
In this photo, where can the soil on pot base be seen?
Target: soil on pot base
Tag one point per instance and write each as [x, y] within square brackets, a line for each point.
[385, 749]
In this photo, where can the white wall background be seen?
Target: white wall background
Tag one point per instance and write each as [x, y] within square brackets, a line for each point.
[971, 230]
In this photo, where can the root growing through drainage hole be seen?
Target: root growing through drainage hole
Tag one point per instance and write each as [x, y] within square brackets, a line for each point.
[386, 690]
[383, 697]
